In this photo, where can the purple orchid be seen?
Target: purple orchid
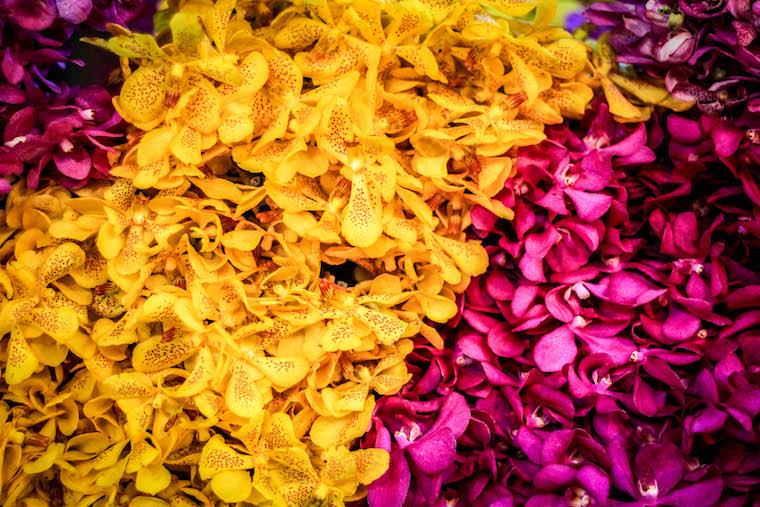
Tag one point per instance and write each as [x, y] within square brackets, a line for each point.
[53, 130]
[69, 133]
[425, 434]
[615, 331]
[705, 51]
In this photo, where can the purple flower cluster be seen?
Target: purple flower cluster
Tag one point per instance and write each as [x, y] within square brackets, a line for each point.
[702, 50]
[611, 354]
[50, 129]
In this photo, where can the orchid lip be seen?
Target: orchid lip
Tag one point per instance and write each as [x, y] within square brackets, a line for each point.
[66, 146]
[649, 491]
[15, 141]
[579, 321]
[580, 498]
[405, 437]
[87, 114]
[581, 291]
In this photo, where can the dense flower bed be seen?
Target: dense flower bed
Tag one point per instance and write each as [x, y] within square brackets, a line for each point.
[609, 355]
[414, 253]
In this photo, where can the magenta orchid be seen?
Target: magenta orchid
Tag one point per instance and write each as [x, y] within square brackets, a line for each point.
[51, 129]
[616, 331]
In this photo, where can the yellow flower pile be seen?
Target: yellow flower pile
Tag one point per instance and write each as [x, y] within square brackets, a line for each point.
[213, 326]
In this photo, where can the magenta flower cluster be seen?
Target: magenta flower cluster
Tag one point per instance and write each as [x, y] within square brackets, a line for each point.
[611, 355]
[53, 130]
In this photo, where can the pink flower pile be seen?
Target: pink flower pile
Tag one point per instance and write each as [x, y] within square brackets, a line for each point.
[51, 129]
[611, 355]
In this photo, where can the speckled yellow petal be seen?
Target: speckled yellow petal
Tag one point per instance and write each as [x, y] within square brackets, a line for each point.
[131, 259]
[168, 308]
[250, 432]
[187, 32]
[452, 100]
[217, 457]
[290, 199]
[417, 206]
[569, 99]
[64, 259]
[58, 323]
[235, 128]
[148, 176]
[285, 78]
[186, 145]
[366, 16]
[410, 19]
[277, 432]
[134, 45]
[217, 20]
[320, 9]
[370, 464]
[142, 97]
[23, 282]
[141, 455]
[520, 132]
[335, 132]
[362, 220]
[139, 414]
[128, 385]
[440, 259]
[387, 328]
[340, 335]
[243, 396]
[283, 372]
[469, 256]
[201, 107]
[255, 71]
[423, 60]
[109, 457]
[350, 400]
[154, 354]
[400, 229]
[387, 384]
[542, 111]
[201, 374]
[152, 478]
[339, 469]
[299, 33]
[21, 361]
[569, 57]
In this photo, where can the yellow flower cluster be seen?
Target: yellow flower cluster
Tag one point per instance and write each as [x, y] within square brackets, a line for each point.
[213, 326]
[181, 335]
